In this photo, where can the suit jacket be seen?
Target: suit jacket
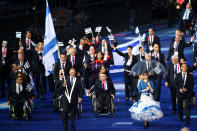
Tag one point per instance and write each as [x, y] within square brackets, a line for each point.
[191, 15]
[24, 44]
[126, 56]
[28, 70]
[109, 49]
[82, 52]
[189, 84]
[161, 58]
[89, 62]
[138, 57]
[156, 40]
[37, 65]
[12, 91]
[98, 87]
[77, 91]
[195, 53]
[182, 44]
[170, 77]
[57, 68]
[78, 63]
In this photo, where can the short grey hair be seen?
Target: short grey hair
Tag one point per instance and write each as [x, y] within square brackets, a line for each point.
[185, 129]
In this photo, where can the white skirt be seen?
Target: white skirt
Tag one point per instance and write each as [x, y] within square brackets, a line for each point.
[146, 109]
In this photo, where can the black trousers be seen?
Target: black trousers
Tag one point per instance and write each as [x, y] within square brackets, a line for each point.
[40, 83]
[18, 103]
[173, 97]
[187, 108]
[51, 82]
[129, 84]
[103, 100]
[158, 81]
[69, 108]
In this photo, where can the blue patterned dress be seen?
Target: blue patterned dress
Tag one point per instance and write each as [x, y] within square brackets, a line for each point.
[146, 108]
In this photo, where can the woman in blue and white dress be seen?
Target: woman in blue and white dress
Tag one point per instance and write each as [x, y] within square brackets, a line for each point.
[146, 109]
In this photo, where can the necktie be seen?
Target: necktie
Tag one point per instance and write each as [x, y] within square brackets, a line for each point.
[157, 56]
[148, 65]
[176, 70]
[20, 89]
[183, 77]
[63, 66]
[150, 40]
[103, 85]
[71, 81]
[73, 60]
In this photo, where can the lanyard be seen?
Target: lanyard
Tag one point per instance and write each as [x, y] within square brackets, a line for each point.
[67, 93]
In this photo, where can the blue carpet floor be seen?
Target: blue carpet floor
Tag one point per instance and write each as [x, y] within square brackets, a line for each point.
[45, 119]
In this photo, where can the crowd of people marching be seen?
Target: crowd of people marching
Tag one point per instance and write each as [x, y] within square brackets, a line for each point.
[85, 66]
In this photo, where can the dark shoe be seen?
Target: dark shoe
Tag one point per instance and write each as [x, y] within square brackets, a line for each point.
[174, 112]
[145, 125]
[148, 124]
[126, 98]
[181, 119]
[72, 127]
[65, 127]
[187, 122]
[65, 124]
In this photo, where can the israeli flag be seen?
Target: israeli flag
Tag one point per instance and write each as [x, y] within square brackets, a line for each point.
[119, 60]
[50, 50]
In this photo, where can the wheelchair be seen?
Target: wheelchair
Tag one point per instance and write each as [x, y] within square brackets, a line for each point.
[109, 111]
[25, 108]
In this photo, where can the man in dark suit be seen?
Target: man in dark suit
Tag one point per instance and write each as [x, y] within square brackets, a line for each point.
[75, 61]
[63, 64]
[104, 47]
[177, 45]
[141, 55]
[17, 94]
[82, 48]
[173, 69]
[188, 18]
[158, 56]
[24, 65]
[130, 61]
[5, 55]
[72, 95]
[150, 40]
[184, 83]
[104, 90]
[39, 70]
[88, 73]
[27, 45]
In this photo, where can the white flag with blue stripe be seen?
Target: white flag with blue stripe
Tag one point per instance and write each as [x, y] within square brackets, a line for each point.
[119, 60]
[50, 50]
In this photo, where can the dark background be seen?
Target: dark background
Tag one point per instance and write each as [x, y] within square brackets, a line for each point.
[72, 16]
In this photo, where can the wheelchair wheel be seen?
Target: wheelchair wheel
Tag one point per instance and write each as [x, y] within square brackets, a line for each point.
[11, 112]
[28, 112]
[193, 100]
[112, 107]
[95, 105]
